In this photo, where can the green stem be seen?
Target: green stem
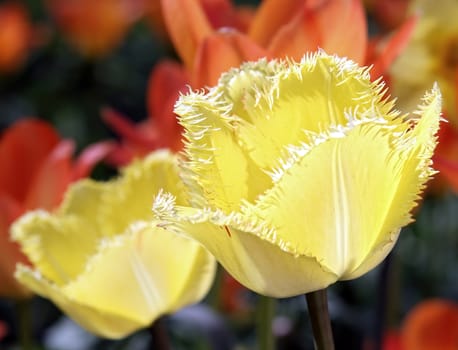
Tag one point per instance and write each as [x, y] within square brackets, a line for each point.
[317, 303]
[266, 310]
[23, 308]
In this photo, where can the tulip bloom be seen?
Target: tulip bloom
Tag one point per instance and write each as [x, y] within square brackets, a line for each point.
[209, 43]
[431, 325]
[34, 175]
[301, 174]
[95, 28]
[15, 36]
[431, 56]
[101, 260]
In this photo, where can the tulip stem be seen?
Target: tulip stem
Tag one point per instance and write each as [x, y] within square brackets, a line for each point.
[266, 310]
[159, 336]
[317, 303]
[24, 323]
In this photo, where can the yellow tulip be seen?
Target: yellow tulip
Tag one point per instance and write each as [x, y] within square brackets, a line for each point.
[301, 174]
[101, 260]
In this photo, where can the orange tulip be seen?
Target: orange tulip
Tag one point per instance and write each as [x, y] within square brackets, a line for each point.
[37, 168]
[95, 28]
[278, 28]
[211, 36]
[431, 325]
[15, 35]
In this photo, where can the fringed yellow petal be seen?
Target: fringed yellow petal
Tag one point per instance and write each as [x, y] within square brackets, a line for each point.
[213, 154]
[131, 196]
[322, 93]
[57, 246]
[60, 244]
[239, 246]
[98, 322]
[149, 270]
[350, 192]
[415, 151]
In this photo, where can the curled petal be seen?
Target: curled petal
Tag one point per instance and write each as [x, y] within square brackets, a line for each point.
[240, 246]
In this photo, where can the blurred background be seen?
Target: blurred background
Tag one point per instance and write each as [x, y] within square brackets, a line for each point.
[73, 67]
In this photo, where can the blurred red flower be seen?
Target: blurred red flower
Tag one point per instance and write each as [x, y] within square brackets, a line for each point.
[37, 167]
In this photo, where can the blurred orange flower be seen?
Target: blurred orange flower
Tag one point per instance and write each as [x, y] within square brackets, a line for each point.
[211, 36]
[95, 28]
[15, 36]
[432, 56]
[431, 325]
[37, 168]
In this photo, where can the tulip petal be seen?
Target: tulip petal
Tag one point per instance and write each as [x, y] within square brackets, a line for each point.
[187, 25]
[20, 142]
[317, 100]
[59, 246]
[215, 155]
[167, 80]
[271, 15]
[297, 37]
[149, 281]
[52, 178]
[417, 171]
[137, 185]
[347, 36]
[240, 245]
[221, 51]
[101, 323]
[361, 196]
[143, 258]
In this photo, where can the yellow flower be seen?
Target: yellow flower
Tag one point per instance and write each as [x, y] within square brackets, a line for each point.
[432, 55]
[301, 173]
[103, 263]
